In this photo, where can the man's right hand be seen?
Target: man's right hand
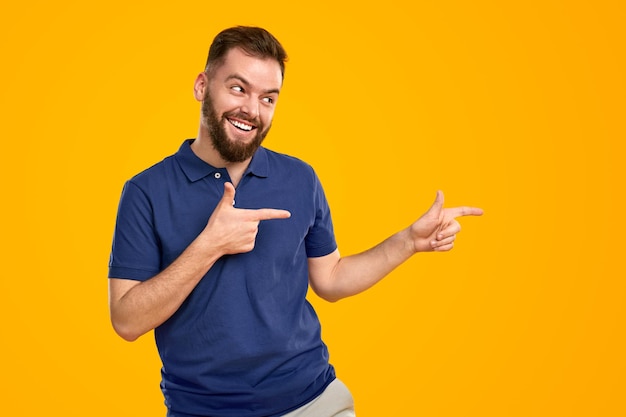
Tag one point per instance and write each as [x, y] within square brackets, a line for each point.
[234, 230]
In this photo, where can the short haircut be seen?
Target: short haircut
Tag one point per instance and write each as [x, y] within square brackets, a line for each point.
[254, 41]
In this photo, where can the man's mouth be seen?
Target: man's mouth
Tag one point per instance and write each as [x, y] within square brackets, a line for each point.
[241, 125]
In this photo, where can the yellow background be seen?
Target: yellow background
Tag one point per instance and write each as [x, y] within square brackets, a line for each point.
[516, 107]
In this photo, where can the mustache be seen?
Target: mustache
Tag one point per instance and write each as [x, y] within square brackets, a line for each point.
[242, 116]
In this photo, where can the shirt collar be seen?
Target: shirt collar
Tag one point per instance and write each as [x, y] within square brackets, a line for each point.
[196, 169]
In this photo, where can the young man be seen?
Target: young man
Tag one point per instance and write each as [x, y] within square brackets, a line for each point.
[215, 246]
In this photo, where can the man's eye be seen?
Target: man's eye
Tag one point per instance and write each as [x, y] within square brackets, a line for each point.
[269, 100]
[237, 88]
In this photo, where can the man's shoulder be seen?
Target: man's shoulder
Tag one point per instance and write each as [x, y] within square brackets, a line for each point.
[157, 173]
[287, 161]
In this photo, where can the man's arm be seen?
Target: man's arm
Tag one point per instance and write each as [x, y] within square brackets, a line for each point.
[333, 277]
[137, 307]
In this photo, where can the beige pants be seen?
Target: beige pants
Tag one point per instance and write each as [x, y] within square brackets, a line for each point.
[335, 401]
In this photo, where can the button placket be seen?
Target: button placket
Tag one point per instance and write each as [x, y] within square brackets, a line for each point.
[224, 178]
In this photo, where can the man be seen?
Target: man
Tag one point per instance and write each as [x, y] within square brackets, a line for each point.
[215, 246]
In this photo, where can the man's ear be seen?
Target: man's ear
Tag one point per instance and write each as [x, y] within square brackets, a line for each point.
[200, 86]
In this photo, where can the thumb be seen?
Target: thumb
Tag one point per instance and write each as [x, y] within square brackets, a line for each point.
[229, 195]
[437, 206]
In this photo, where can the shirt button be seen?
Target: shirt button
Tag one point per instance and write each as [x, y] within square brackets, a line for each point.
[218, 175]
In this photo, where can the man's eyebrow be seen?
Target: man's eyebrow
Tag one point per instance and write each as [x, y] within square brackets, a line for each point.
[247, 83]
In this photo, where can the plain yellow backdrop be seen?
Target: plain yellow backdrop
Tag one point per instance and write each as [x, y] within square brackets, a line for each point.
[516, 107]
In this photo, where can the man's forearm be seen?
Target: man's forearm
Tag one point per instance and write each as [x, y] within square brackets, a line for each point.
[356, 273]
[138, 307]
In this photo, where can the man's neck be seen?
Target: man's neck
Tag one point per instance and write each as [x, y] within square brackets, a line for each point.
[204, 150]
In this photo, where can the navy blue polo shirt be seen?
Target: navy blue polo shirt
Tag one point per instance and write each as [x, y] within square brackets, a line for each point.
[246, 342]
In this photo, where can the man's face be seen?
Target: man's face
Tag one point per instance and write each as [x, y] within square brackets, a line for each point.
[239, 102]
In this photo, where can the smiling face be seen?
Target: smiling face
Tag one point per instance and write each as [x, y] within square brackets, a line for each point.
[239, 102]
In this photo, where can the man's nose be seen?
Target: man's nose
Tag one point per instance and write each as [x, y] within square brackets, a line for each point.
[250, 107]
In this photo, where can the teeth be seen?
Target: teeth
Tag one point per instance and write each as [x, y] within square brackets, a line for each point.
[240, 125]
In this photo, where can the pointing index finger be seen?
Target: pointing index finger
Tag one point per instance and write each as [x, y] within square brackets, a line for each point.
[466, 211]
[269, 214]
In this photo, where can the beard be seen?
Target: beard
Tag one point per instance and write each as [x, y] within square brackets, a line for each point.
[230, 150]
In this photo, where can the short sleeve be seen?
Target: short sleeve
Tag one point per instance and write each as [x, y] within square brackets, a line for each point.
[320, 240]
[135, 253]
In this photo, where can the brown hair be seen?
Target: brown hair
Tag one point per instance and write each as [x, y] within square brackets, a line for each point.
[255, 41]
